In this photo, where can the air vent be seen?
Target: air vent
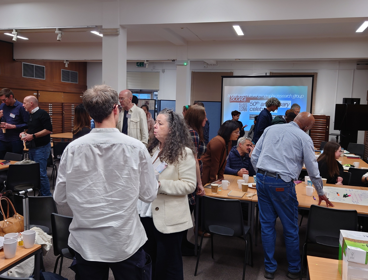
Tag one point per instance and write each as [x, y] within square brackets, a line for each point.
[68, 76]
[33, 71]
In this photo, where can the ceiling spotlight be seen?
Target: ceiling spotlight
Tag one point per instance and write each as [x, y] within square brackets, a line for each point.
[15, 35]
[238, 30]
[362, 27]
[66, 63]
[97, 33]
[59, 34]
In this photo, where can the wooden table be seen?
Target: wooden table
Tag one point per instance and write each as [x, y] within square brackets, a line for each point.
[65, 135]
[345, 160]
[21, 255]
[5, 167]
[323, 269]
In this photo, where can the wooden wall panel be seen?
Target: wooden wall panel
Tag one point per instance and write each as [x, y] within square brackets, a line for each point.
[68, 116]
[50, 96]
[11, 74]
[55, 111]
[72, 98]
[19, 94]
[321, 130]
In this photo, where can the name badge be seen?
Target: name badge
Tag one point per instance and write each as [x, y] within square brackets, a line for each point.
[12, 115]
[161, 167]
[128, 116]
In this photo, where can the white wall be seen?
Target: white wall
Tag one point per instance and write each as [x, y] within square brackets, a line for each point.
[94, 74]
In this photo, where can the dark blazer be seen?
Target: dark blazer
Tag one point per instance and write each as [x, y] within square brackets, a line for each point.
[235, 162]
[214, 160]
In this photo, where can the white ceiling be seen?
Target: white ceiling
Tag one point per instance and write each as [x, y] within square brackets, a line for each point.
[182, 34]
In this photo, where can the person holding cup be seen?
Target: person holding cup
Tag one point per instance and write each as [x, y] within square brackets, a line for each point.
[238, 162]
[328, 165]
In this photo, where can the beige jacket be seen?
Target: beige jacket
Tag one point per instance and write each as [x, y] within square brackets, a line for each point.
[137, 124]
[170, 210]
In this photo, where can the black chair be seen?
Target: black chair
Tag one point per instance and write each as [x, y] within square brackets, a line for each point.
[60, 234]
[51, 163]
[324, 226]
[346, 176]
[59, 148]
[357, 149]
[224, 217]
[40, 210]
[322, 145]
[13, 156]
[356, 176]
[23, 176]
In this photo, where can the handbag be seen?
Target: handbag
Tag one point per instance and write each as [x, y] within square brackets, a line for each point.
[10, 224]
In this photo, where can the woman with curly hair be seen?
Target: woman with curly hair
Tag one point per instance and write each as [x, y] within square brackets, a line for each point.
[214, 160]
[166, 219]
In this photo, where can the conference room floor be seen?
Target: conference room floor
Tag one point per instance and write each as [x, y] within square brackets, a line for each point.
[228, 253]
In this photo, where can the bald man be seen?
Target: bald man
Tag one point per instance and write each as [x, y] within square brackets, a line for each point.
[132, 119]
[37, 139]
[278, 159]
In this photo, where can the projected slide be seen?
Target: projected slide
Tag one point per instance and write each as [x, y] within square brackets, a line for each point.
[248, 95]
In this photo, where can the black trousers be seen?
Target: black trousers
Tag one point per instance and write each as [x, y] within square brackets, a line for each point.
[165, 251]
[137, 267]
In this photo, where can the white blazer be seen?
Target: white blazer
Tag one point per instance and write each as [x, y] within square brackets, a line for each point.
[170, 210]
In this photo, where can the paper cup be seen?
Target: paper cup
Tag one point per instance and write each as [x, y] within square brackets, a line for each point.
[246, 178]
[324, 181]
[11, 236]
[29, 237]
[239, 183]
[10, 247]
[214, 188]
[309, 190]
[225, 184]
[244, 187]
[4, 130]
[255, 179]
[356, 164]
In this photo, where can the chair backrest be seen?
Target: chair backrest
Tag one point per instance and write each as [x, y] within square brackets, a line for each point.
[40, 210]
[327, 222]
[356, 177]
[357, 149]
[323, 143]
[59, 148]
[60, 232]
[225, 214]
[13, 156]
[23, 175]
[50, 161]
[346, 178]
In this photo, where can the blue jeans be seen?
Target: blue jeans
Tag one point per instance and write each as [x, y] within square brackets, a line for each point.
[277, 198]
[13, 147]
[40, 155]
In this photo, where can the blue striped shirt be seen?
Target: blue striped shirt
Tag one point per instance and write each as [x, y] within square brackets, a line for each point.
[282, 149]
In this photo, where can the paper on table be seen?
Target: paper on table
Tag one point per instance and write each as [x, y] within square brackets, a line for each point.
[233, 193]
[358, 197]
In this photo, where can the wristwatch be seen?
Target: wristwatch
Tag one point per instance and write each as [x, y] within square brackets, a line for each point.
[34, 136]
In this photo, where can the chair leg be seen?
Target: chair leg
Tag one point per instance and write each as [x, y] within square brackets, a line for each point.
[301, 220]
[61, 265]
[56, 263]
[251, 249]
[212, 245]
[245, 256]
[198, 255]
[304, 252]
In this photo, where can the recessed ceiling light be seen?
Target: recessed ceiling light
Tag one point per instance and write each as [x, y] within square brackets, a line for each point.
[20, 37]
[238, 30]
[362, 27]
[97, 33]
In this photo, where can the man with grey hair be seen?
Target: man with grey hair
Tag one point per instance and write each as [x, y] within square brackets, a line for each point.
[238, 161]
[296, 108]
[132, 120]
[101, 177]
[265, 118]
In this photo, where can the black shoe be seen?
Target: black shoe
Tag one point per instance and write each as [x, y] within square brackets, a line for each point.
[269, 275]
[295, 275]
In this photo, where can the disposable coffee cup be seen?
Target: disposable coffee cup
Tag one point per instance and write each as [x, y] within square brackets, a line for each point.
[356, 164]
[29, 237]
[225, 184]
[306, 178]
[239, 183]
[11, 236]
[324, 181]
[255, 179]
[246, 178]
[4, 130]
[214, 188]
[10, 248]
[309, 190]
[244, 187]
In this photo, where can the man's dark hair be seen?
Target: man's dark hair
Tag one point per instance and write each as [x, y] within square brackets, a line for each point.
[7, 92]
[135, 100]
[198, 103]
[235, 113]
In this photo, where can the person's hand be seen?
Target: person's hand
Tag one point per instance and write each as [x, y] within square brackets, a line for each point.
[1, 113]
[324, 197]
[340, 179]
[245, 126]
[242, 171]
[200, 190]
[27, 137]
[9, 126]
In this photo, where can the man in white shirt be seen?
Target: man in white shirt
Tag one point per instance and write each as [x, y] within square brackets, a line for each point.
[101, 177]
[132, 120]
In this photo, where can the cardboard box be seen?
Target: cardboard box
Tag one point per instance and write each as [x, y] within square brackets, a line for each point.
[353, 255]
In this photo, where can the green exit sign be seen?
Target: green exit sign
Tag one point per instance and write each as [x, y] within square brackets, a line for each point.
[140, 64]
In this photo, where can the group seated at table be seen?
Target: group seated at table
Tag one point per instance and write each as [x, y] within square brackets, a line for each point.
[238, 162]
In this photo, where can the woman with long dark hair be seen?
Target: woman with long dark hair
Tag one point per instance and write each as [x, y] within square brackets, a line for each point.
[328, 165]
[150, 121]
[168, 217]
[214, 159]
[82, 122]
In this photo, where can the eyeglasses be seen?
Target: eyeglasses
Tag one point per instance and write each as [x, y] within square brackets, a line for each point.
[119, 107]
